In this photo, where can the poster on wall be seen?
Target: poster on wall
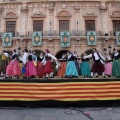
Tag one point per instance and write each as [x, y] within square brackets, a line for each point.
[91, 38]
[7, 39]
[37, 38]
[118, 38]
[65, 39]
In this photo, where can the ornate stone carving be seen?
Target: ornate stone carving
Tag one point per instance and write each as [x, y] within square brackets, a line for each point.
[116, 14]
[51, 9]
[90, 14]
[103, 6]
[76, 8]
[38, 14]
[24, 9]
[11, 15]
[63, 14]
[1, 9]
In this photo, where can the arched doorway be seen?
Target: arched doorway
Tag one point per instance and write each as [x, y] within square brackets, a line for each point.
[60, 53]
[37, 52]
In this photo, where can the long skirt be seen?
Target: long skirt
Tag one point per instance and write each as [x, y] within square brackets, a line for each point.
[108, 68]
[116, 68]
[13, 68]
[71, 69]
[85, 69]
[30, 69]
[47, 68]
[62, 69]
[77, 66]
[40, 69]
[97, 67]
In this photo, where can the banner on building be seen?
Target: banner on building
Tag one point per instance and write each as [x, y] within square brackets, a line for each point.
[37, 38]
[7, 39]
[91, 38]
[65, 39]
[118, 38]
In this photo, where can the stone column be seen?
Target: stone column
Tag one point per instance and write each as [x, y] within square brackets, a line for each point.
[104, 18]
[24, 19]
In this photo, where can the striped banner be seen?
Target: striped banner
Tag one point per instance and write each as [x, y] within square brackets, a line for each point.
[65, 91]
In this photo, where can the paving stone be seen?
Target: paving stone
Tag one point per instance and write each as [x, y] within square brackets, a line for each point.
[49, 117]
[32, 117]
[15, 117]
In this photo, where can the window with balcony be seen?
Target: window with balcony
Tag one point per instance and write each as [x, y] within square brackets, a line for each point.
[90, 25]
[10, 27]
[38, 25]
[63, 25]
[116, 26]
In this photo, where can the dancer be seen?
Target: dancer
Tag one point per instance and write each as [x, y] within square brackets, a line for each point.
[71, 70]
[76, 57]
[84, 67]
[40, 67]
[116, 64]
[48, 65]
[97, 65]
[31, 70]
[13, 68]
[108, 65]
[4, 62]
[62, 67]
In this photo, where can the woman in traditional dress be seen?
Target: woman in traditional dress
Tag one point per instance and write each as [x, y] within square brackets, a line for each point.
[13, 68]
[62, 67]
[40, 66]
[31, 70]
[108, 65]
[116, 64]
[71, 70]
[76, 57]
[84, 67]
[48, 65]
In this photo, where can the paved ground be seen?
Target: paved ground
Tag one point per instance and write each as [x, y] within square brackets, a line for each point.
[59, 114]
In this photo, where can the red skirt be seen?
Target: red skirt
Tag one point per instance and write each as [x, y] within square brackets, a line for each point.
[40, 69]
[47, 68]
[97, 67]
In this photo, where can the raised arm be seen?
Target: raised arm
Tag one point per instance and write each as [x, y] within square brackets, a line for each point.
[88, 56]
[101, 56]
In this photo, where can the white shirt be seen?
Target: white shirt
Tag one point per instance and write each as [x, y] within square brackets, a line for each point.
[24, 58]
[95, 55]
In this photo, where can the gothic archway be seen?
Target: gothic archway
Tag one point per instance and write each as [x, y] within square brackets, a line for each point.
[60, 53]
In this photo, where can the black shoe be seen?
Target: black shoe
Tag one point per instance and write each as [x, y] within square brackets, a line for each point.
[17, 77]
[91, 77]
[109, 75]
[10, 77]
[117, 76]
[96, 76]
[104, 77]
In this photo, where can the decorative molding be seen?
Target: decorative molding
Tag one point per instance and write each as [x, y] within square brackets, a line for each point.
[24, 9]
[103, 6]
[76, 8]
[115, 14]
[51, 9]
[90, 14]
[11, 15]
[63, 14]
[38, 14]
[1, 9]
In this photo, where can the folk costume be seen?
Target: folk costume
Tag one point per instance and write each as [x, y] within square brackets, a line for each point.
[85, 67]
[13, 68]
[40, 67]
[97, 65]
[108, 65]
[4, 62]
[71, 70]
[30, 68]
[62, 67]
[116, 65]
[48, 71]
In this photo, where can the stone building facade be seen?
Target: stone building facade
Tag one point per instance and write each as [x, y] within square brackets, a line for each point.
[52, 16]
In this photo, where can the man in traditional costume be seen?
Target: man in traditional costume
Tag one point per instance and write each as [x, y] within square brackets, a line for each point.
[4, 62]
[97, 65]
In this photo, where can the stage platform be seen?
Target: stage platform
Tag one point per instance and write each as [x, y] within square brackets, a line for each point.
[60, 92]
